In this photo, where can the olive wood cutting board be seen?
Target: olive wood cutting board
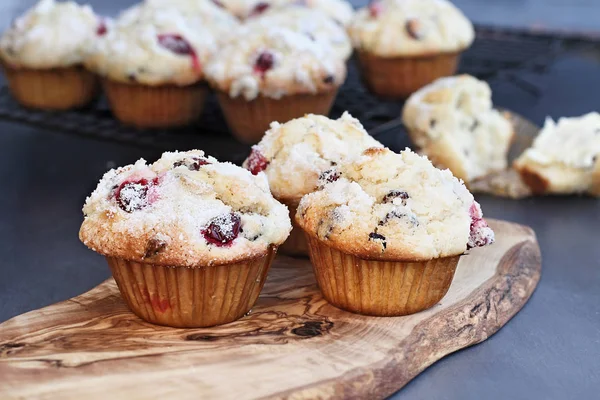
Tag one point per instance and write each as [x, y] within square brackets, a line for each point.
[293, 344]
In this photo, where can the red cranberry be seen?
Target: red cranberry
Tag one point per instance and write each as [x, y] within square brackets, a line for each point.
[179, 45]
[218, 3]
[375, 8]
[256, 162]
[478, 224]
[264, 62]
[222, 230]
[101, 30]
[194, 165]
[133, 195]
[259, 9]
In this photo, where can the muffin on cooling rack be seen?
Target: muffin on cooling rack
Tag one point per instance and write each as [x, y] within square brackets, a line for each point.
[295, 154]
[189, 239]
[273, 74]
[385, 232]
[42, 55]
[152, 67]
[403, 45]
[311, 22]
[564, 157]
[452, 121]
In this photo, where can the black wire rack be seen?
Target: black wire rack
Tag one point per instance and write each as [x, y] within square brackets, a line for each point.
[497, 54]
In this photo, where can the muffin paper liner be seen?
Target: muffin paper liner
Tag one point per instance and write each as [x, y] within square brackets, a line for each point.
[295, 245]
[379, 288]
[399, 77]
[166, 106]
[249, 120]
[52, 89]
[186, 297]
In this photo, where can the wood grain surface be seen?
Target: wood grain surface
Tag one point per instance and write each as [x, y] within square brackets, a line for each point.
[293, 345]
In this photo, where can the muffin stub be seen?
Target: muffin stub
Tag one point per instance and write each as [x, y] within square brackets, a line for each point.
[51, 35]
[396, 207]
[294, 154]
[186, 210]
[564, 157]
[452, 122]
[274, 62]
[409, 28]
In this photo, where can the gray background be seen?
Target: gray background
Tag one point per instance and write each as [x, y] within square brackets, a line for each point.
[550, 350]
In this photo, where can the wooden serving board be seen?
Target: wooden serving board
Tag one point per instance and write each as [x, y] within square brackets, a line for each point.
[293, 345]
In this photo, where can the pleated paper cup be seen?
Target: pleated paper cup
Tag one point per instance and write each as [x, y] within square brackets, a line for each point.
[184, 297]
[249, 120]
[52, 89]
[164, 106]
[295, 245]
[399, 77]
[379, 288]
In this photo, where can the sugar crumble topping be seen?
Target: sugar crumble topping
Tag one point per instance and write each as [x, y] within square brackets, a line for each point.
[396, 206]
[170, 213]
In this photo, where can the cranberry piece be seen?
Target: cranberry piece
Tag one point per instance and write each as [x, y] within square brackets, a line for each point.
[375, 8]
[259, 9]
[194, 165]
[133, 195]
[264, 62]
[330, 176]
[329, 79]
[222, 230]
[414, 28]
[480, 233]
[179, 45]
[256, 162]
[218, 3]
[388, 198]
[101, 30]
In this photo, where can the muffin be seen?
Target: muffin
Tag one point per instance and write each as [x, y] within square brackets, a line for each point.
[453, 123]
[403, 45]
[273, 74]
[311, 22]
[385, 232]
[152, 67]
[295, 154]
[564, 157]
[189, 239]
[42, 55]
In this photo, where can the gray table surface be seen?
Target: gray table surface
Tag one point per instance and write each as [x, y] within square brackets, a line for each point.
[550, 350]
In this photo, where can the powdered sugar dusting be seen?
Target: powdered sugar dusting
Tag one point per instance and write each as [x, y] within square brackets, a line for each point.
[198, 214]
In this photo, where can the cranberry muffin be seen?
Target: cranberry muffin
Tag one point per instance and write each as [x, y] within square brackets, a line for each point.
[564, 157]
[273, 74]
[295, 154]
[403, 45]
[42, 55]
[189, 239]
[311, 22]
[152, 67]
[453, 123]
[385, 232]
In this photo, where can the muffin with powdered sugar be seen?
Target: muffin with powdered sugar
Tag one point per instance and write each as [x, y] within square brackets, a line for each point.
[295, 154]
[454, 124]
[273, 74]
[186, 218]
[43, 51]
[385, 224]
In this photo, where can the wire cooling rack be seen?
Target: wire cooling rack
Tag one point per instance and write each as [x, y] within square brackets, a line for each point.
[496, 54]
